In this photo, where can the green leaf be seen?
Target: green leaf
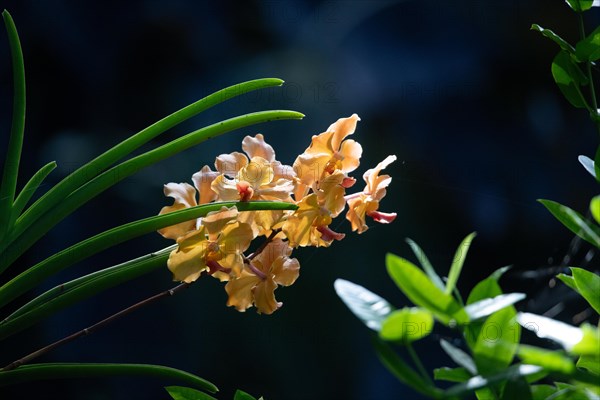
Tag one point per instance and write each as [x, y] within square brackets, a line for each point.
[574, 221]
[486, 307]
[554, 37]
[590, 363]
[588, 49]
[569, 79]
[421, 291]
[407, 325]
[459, 357]
[29, 189]
[401, 370]
[427, 267]
[588, 164]
[494, 340]
[595, 208]
[371, 309]
[185, 393]
[551, 360]
[82, 288]
[580, 5]
[92, 169]
[580, 341]
[458, 261]
[125, 169]
[588, 285]
[8, 186]
[569, 281]
[82, 250]
[478, 382]
[451, 374]
[36, 372]
[517, 388]
[541, 392]
[241, 395]
[597, 164]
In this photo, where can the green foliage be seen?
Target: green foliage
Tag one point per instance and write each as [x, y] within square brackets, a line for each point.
[407, 325]
[569, 78]
[185, 393]
[580, 5]
[574, 221]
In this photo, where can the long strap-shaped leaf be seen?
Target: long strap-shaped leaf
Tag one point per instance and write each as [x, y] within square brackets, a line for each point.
[13, 156]
[82, 288]
[34, 372]
[127, 168]
[108, 158]
[59, 261]
[29, 189]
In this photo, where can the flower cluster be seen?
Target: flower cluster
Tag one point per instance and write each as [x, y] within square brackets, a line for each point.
[316, 183]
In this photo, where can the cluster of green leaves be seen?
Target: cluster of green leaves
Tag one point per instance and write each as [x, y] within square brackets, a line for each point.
[490, 361]
[22, 225]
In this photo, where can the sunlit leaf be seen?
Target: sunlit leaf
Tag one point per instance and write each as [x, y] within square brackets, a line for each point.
[241, 395]
[588, 285]
[590, 363]
[568, 280]
[459, 357]
[407, 325]
[427, 267]
[580, 5]
[421, 291]
[458, 261]
[541, 392]
[366, 305]
[574, 221]
[459, 374]
[185, 393]
[551, 360]
[479, 381]
[546, 328]
[588, 164]
[569, 79]
[595, 208]
[486, 307]
[554, 37]
[589, 343]
[588, 49]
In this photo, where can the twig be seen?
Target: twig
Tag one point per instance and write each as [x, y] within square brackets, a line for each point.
[96, 326]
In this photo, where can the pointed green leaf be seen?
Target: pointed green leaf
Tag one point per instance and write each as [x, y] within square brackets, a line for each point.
[82, 250]
[8, 186]
[580, 5]
[597, 164]
[110, 177]
[459, 357]
[241, 395]
[421, 291]
[366, 305]
[589, 343]
[574, 221]
[569, 281]
[478, 382]
[588, 285]
[101, 163]
[588, 49]
[595, 208]
[486, 307]
[588, 164]
[590, 363]
[551, 360]
[541, 392]
[458, 261]
[554, 37]
[82, 288]
[451, 374]
[29, 189]
[569, 79]
[401, 370]
[407, 325]
[36, 372]
[185, 393]
[427, 267]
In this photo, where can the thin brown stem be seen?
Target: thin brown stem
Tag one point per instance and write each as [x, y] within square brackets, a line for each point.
[95, 327]
[259, 250]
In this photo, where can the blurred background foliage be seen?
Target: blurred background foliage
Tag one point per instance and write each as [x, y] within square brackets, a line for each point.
[460, 91]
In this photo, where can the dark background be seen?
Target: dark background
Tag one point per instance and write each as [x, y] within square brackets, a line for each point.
[460, 91]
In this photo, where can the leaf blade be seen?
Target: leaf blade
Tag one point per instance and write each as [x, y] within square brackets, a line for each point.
[458, 262]
[370, 308]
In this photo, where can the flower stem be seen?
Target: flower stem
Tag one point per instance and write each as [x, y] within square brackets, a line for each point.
[259, 250]
[95, 327]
